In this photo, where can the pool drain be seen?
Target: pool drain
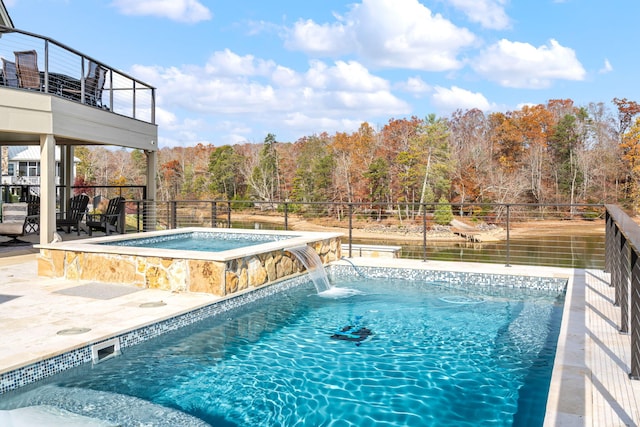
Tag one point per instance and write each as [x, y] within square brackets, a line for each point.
[73, 331]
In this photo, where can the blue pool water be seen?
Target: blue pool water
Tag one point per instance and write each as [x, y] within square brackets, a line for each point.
[437, 356]
[200, 241]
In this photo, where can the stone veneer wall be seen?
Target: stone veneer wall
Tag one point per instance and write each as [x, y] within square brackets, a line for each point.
[179, 274]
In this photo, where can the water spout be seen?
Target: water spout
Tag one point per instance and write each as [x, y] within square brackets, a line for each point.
[310, 259]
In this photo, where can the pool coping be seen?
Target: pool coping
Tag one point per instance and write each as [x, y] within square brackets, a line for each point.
[100, 244]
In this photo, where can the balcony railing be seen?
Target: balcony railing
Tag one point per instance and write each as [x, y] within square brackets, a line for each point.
[64, 72]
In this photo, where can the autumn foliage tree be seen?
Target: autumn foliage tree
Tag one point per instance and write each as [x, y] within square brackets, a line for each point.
[549, 153]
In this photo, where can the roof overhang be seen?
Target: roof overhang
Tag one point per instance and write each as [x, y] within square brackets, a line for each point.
[5, 19]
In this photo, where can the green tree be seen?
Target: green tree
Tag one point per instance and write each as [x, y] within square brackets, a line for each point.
[313, 176]
[564, 144]
[264, 177]
[223, 172]
[433, 143]
[443, 213]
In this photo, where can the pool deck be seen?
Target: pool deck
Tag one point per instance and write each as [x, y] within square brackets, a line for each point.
[590, 385]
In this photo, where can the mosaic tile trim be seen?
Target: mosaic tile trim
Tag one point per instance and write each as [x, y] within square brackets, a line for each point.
[452, 278]
[38, 371]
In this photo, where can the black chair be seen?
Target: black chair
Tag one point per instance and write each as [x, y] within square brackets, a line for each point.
[10, 73]
[93, 86]
[76, 210]
[109, 220]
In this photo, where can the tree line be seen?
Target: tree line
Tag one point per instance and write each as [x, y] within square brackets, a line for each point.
[555, 153]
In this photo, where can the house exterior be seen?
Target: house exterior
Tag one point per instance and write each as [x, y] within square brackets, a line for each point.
[21, 165]
[72, 106]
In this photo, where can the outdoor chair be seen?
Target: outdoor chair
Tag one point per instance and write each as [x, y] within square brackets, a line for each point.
[76, 209]
[93, 86]
[10, 73]
[27, 69]
[32, 224]
[15, 222]
[110, 220]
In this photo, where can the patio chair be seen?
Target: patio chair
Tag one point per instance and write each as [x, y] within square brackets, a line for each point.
[27, 68]
[10, 73]
[15, 223]
[76, 209]
[93, 86]
[110, 220]
[32, 224]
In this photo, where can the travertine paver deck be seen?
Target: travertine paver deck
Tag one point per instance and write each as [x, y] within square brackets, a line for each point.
[591, 385]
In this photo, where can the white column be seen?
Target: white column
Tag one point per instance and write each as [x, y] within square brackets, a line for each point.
[149, 205]
[67, 173]
[47, 188]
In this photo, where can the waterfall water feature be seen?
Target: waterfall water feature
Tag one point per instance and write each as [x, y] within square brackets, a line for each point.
[310, 259]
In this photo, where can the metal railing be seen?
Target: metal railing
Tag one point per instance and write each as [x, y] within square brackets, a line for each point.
[550, 235]
[64, 72]
[623, 263]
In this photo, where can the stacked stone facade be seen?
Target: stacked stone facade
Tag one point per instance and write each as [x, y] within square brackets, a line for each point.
[219, 278]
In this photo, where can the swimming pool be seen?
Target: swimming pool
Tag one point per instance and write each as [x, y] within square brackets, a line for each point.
[201, 240]
[443, 351]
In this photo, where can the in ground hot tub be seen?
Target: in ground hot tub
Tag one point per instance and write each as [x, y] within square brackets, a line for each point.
[236, 259]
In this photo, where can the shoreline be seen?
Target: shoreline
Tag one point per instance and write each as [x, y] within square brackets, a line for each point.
[390, 233]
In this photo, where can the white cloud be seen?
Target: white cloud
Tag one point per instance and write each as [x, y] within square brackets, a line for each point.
[414, 85]
[227, 63]
[606, 68]
[323, 40]
[455, 97]
[351, 76]
[189, 11]
[309, 125]
[522, 65]
[342, 92]
[488, 13]
[387, 33]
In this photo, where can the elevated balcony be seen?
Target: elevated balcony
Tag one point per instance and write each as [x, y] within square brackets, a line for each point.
[66, 104]
[67, 98]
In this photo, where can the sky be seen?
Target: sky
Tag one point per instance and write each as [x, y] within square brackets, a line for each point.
[230, 72]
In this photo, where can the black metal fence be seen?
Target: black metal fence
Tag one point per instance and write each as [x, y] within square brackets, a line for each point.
[527, 234]
[623, 262]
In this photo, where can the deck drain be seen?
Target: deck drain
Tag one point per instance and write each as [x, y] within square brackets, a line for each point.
[152, 304]
[73, 331]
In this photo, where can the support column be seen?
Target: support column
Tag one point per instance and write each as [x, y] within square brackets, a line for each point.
[149, 208]
[47, 188]
[67, 173]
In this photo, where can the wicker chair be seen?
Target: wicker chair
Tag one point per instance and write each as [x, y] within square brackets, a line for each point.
[27, 67]
[9, 73]
[93, 86]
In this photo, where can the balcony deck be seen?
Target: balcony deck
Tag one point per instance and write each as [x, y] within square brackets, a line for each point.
[66, 105]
